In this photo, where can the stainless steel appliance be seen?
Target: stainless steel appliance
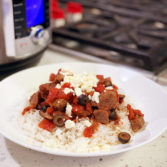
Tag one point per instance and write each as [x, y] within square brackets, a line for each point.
[24, 31]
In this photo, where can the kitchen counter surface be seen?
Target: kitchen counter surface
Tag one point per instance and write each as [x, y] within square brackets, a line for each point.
[153, 154]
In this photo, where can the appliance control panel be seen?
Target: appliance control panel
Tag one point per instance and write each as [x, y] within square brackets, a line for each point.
[31, 27]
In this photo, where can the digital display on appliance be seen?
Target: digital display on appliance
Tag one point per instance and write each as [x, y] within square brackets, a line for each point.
[34, 12]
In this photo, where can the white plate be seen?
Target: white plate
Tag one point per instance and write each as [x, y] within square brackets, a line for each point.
[149, 97]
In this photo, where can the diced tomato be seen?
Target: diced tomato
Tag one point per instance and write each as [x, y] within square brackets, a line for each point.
[55, 93]
[100, 88]
[100, 77]
[115, 87]
[138, 112]
[131, 113]
[75, 100]
[27, 109]
[52, 77]
[88, 131]
[77, 108]
[88, 107]
[47, 125]
[44, 103]
[50, 110]
[66, 85]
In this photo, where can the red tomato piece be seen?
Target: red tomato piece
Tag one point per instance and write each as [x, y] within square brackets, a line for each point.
[75, 100]
[47, 125]
[53, 93]
[50, 110]
[77, 108]
[88, 107]
[52, 77]
[99, 88]
[115, 87]
[66, 85]
[88, 131]
[27, 109]
[131, 113]
[100, 77]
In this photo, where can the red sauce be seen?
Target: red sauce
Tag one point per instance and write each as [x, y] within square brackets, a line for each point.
[55, 93]
[66, 85]
[27, 109]
[99, 88]
[133, 112]
[100, 77]
[47, 125]
[88, 131]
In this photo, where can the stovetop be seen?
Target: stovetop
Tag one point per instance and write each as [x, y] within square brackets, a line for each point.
[129, 31]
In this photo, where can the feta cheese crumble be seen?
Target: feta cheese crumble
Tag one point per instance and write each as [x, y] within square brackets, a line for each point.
[68, 109]
[69, 124]
[95, 97]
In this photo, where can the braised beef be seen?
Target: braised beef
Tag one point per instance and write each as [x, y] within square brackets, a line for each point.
[101, 116]
[137, 123]
[108, 100]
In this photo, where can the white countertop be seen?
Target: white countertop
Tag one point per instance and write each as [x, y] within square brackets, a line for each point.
[153, 154]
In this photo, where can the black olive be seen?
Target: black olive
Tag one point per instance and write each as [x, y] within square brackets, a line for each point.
[113, 115]
[82, 100]
[43, 108]
[59, 120]
[45, 115]
[124, 137]
[107, 82]
[121, 98]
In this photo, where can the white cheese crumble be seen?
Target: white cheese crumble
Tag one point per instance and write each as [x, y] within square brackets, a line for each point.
[68, 90]
[87, 123]
[78, 91]
[68, 109]
[109, 87]
[95, 97]
[58, 86]
[84, 81]
[69, 124]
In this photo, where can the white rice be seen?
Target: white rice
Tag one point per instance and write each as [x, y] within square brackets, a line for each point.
[72, 139]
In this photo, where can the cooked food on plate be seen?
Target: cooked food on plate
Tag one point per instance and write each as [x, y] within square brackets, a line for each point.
[79, 113]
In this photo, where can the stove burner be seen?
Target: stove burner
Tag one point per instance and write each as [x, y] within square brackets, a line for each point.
[130, 31]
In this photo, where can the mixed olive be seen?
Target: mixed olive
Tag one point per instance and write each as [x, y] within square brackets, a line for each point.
[124, 137]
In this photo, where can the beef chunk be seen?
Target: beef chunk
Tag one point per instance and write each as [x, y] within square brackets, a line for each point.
[44, 89]
[107, 82]
[137, 123]
[59, 104]
[58, 78]
[35, 99]
[108, 100]
[101, 116]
